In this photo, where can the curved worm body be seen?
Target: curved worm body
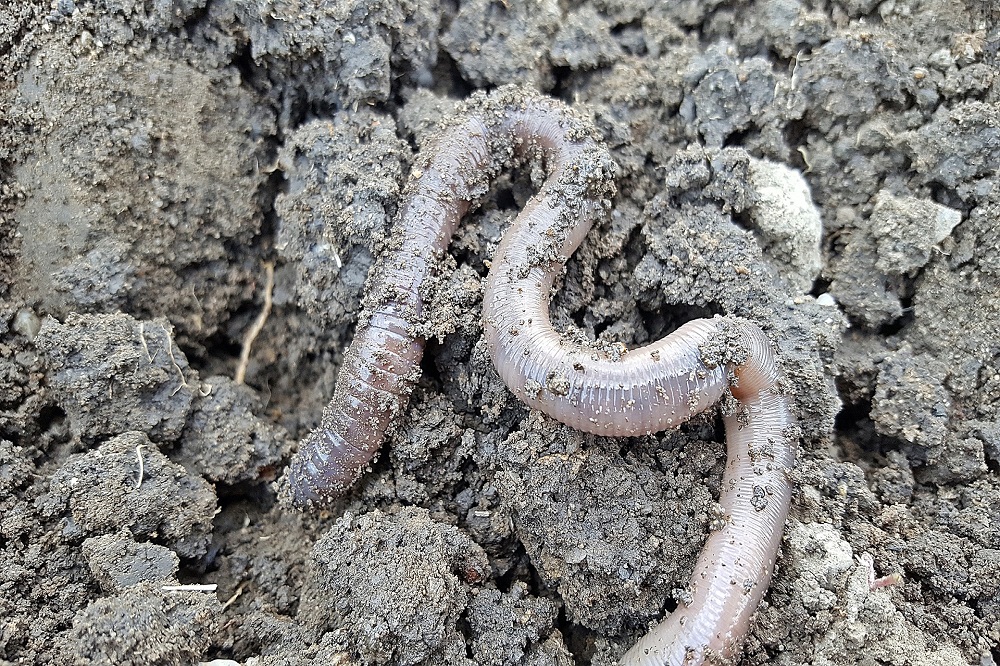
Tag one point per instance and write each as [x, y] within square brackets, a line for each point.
[734, 568]
[643, 391]
[383, 361]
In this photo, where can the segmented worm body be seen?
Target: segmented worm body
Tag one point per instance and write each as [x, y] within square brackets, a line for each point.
[643, 391]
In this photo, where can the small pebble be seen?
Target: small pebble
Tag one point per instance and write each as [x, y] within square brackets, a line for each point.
[26, 323]
[826, 300]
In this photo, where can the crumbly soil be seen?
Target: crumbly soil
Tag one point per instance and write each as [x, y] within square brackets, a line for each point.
[826, 168]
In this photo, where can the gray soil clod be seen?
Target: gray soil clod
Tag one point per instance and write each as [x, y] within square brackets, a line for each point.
[826, 170]
[127, 483]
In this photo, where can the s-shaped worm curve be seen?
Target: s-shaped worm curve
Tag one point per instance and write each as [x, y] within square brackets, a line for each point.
[647, 390]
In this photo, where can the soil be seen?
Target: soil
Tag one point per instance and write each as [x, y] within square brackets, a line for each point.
[826, 168]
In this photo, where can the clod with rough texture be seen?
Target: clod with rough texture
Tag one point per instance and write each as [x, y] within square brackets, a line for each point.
[642, 391]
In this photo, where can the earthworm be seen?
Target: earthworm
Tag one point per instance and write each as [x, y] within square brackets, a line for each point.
[383, 361]
[639, 392]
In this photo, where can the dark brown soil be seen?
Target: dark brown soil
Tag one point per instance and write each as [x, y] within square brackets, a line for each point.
[156, 154]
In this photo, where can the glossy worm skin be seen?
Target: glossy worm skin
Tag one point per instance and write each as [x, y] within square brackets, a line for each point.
[734, 568]
[383, 362]
[642, 391]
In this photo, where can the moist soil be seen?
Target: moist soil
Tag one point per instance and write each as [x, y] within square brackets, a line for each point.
[825, 168]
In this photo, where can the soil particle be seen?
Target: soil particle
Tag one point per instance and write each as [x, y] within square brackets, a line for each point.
[869, 296]
[836, 92]
[99, 280]
[224, 439]
[957, 148]
[117, 210]
[118, 562]
[38, 594]
[684, 233]
[340, 54]
[508, 628]
[457, 294]
[584, 41]
[900, 237]
[111, 374]
[894, 482]
[26, 323]
[118, 21]
[23, 394]
[789, 223]
[104, 490]
[905, 385]
[954, 314]
[494, 44]
[634, 103]
[907, 230]
[845, 80]
[825, 559]
[790, 27]
[260, 574]
[432, 434]
[343, 182]
[985, 571]
[835, 600]
[424, 567]
[712, 107]
[545, 472]
[143, 625]
[15, 469]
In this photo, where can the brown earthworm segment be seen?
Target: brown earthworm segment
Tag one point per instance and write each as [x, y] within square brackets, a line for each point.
[644, 391]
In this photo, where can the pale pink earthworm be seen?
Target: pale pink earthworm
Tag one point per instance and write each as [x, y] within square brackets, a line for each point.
[642, 391]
